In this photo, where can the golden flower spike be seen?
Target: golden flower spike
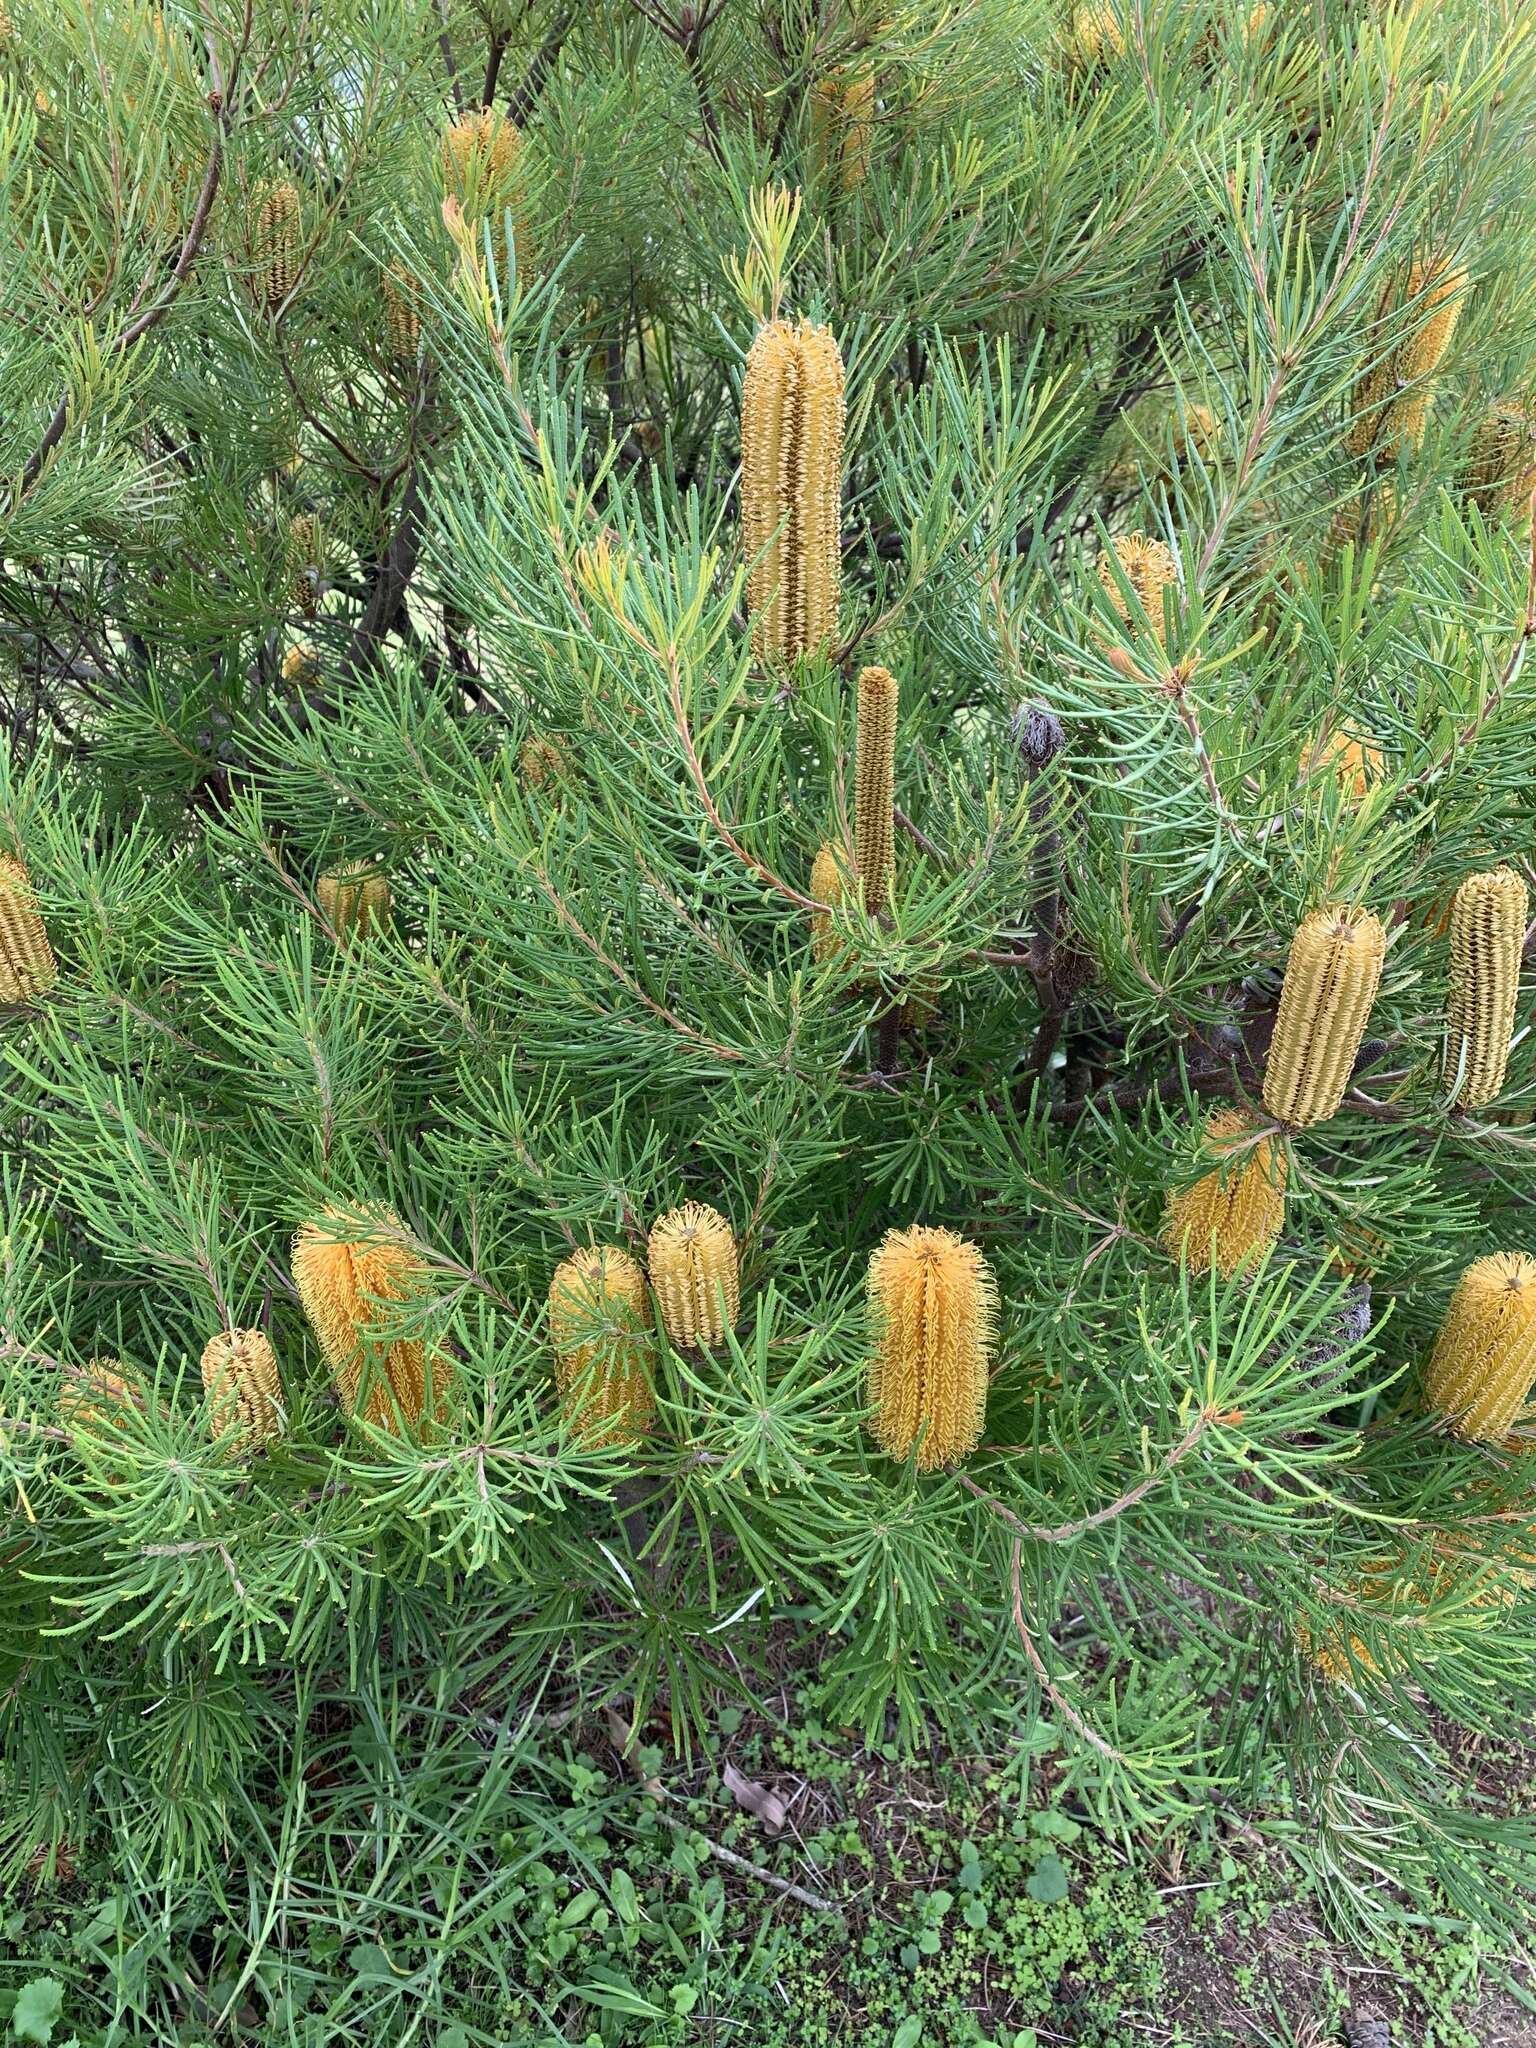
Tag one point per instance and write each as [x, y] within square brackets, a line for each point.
[791, 487]
[600, 1329]
[340, 1283]
[693, 1261]
[1232, 1214]
[244, 1394]
[1484, 1359]
[27, 966]
[933, 1315]
[1487, 938]
[1331, 979]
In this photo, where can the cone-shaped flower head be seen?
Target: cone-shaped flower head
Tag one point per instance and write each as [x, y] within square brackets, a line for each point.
[1485, 1356]
[97, 1397]
[1233, 1213]
[402, 314]
[1487, 937]
[600, 1327]
[693, 1262]
[345, 1275]
[301, 665]
[1501, 468]
[842, 128]
[1331, 979]
[356, 899]
[874, 805]
[1149, 568]
[1355, 764]
[482, 158]
[274, 243]
[826, 887]
[791, 486]
[306, 563]
[1094, 34]
[1391, 398]
[27, 965]
[543, 765]
[933, 1318]
[244, 1393]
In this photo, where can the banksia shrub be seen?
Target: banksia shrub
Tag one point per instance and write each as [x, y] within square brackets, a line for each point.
[402, 314]
[600, 1328]
[1501, 467]
[355, 899]
[1355, 764]
[874, 828]
[244, 1393]
[1233, 1213]
[932, 1306]
[791, 486]
[27, 966]
[98, 1399]
[1149, 568]
[306, 562]
[342, 1283]
[842, 128]
[1487, 938]
[1484, 1359]
[1391, 400]
[1331, 979]
[693, 1262]
[274, 244]
[826, 887]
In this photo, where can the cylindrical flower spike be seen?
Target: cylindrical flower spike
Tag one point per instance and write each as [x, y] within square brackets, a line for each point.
[1501, 469]
[274, 244]
[693, 1261]
[96, 1398]
[1391, 399]
[402, 314]
[1487, 938]
[600, 1328]
[301, 665]
[27, 966]
[543, 765]
[356, 899]
[826, 887]
[482, 172]
[842, 128]
[1094, 35]
[244, 1393]
[1331, 979]
[1355, 764]
[1232, 1214]
[933, 1318]
[342, 1281]
[1149, 568]
[791, 486]
[1484, 1359]
[306, 563]
[874, 807]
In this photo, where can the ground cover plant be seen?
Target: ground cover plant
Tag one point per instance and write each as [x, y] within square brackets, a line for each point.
[764, 888]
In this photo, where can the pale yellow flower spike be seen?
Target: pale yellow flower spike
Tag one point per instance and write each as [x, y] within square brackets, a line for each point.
[792, 418]
[1487, 937]
[1484, 1359]
[933, 1317]
[1331, 979]
[693, 1261]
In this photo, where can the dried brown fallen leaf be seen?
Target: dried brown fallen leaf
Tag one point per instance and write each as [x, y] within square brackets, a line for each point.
[757, 1799]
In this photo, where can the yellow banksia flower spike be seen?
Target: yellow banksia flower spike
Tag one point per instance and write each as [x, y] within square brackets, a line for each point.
[1149, 568]
[874, 819]
[1355, 764]
[306, 562]
[356, 899]
[1391, 402]
[27, 966]
[342, 1282]
[301, 665]
[1232, 1214]
[792, 416]
[482, 160]
[96, 1398]
[932, 1305]
[402, 314]
[600, 1329]
[694, 1272]
[1501, 465]
[826, 887]
[1487, 938]
[842, 128]
[243, 1391]
[543, 765]
[1331, 979]
[274, 243]
[1095, 33]
[1484, 1359]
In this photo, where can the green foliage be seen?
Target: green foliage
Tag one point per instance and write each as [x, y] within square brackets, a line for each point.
[1209, 1543]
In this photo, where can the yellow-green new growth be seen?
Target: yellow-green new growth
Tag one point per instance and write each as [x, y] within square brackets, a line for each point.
[1484, 1359]
[1232, 1214]
[694, 1272]
[600, 1329]
[874, 805]
[1331, 979]
[932, 1305]
[792, 414]
[1487, 937]
[27, 966]
[244, 1394]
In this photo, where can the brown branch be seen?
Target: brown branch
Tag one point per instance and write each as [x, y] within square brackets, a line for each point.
[1067, 1532]
[1048, 1685]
